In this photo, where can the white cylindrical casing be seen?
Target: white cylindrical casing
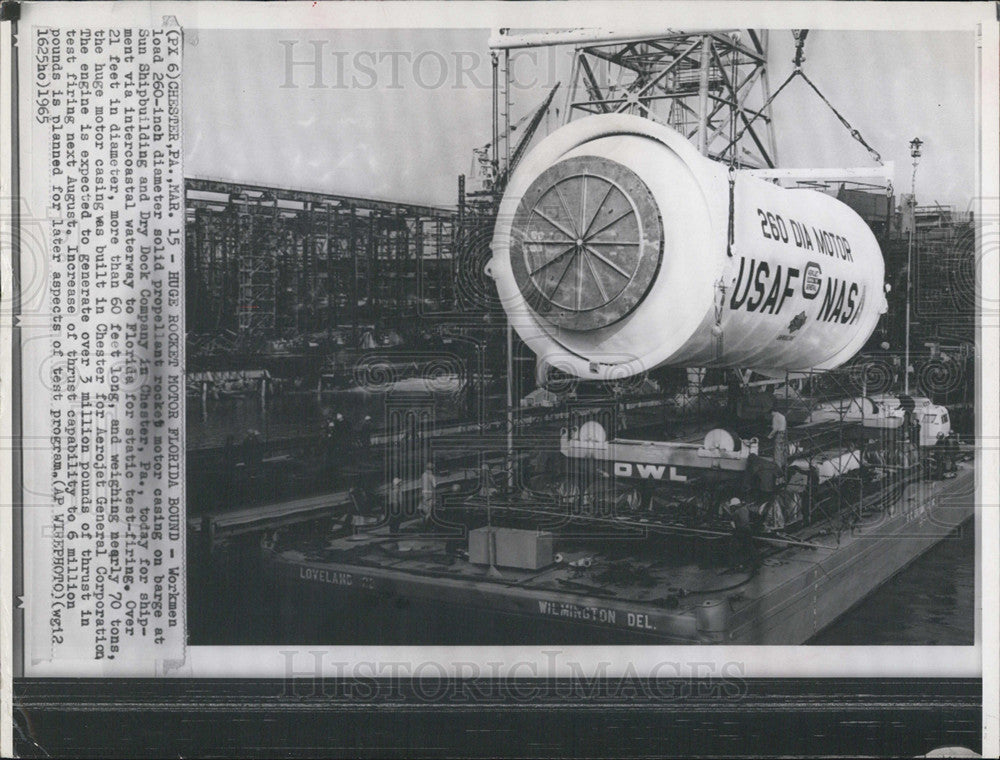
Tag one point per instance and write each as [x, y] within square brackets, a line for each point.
[800, 288]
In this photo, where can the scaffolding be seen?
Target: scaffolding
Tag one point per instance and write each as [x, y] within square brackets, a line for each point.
[265, 263]
[255, 297]
[944, 276]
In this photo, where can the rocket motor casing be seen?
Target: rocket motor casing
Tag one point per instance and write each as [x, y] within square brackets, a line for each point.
[611, 256]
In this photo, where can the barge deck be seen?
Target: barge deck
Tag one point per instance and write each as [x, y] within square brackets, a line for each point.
[646, 592]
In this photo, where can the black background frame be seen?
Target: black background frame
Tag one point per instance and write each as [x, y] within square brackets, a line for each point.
[524, 718]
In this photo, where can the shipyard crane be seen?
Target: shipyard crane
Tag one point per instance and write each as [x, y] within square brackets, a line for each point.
[495, 179]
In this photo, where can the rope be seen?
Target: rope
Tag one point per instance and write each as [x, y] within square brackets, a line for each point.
[720, 302]
[720, 286]
[733, 77]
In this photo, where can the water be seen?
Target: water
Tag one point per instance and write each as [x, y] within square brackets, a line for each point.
[299, 413]
[931, 602]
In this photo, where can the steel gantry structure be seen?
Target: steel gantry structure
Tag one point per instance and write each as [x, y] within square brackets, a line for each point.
[711, 86]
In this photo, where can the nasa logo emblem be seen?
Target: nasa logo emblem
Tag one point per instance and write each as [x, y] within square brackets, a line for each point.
[811, 280]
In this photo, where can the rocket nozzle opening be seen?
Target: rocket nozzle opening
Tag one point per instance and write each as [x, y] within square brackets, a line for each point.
[586, 243]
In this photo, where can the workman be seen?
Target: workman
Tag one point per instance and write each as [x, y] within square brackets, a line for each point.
[762, 476]
[394, 505]
[428, 488]
[357, 507]
[363, 435]
[954, 451]
[940, 457]
[253, 454]
[734, 394]
[487, 486]
[779, 433]
[915, 429]
[742, 540]
[911, 422]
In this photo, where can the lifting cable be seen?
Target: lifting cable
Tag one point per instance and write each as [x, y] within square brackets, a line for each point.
[800, 39]
[847, 125]
[720, 285]
[732, 161]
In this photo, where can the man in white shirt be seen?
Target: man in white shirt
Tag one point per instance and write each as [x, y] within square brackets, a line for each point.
[779, 433]
[394, 506]
[428, 487]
